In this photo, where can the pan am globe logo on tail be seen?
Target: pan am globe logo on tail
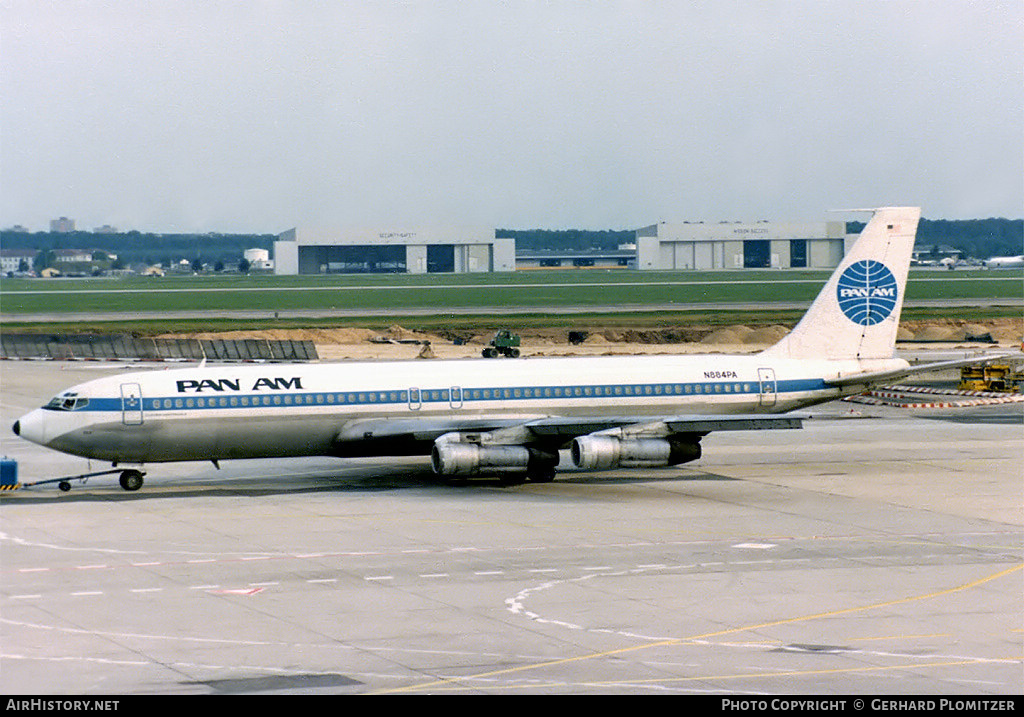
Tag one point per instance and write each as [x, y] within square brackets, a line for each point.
[867, 292]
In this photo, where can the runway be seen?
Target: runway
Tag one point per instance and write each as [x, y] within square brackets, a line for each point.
[877, 551]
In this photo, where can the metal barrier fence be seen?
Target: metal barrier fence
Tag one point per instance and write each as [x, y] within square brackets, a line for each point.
[71, 347]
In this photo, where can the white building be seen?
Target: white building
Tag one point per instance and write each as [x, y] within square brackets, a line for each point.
[258, 258]
[671, 247]
[72, 256]
[10, 259]
[307, 250]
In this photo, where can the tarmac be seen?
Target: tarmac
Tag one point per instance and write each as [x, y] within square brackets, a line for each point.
[877, 551]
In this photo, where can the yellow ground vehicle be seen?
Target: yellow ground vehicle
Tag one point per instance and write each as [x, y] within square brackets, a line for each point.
[1001, 378]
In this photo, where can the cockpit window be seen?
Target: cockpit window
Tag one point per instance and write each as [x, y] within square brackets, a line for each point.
[67, 402]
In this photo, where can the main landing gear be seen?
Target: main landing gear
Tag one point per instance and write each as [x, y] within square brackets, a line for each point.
[540, 470]
[130, 480]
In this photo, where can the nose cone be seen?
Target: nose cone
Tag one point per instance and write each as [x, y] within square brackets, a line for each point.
[30, 427]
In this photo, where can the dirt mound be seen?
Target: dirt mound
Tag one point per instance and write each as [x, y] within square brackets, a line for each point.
[736, 334]
[400, 333]
[766, 335]
[668, 335]
[1003, 331]
[721, 336]
[1008, 334]
[317, 336]
[938, 333]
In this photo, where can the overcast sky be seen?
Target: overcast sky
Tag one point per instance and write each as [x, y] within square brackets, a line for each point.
[260, 116]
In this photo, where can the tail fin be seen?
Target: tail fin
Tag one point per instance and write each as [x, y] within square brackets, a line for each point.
[858, 311]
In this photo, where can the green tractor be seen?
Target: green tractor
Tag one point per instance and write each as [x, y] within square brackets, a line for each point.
[504, 343]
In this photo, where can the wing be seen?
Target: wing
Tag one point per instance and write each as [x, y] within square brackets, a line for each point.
[530, 444]
[555, 431]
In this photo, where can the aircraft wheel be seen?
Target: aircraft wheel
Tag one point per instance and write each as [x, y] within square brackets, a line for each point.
[542, 476]
[541, 468]
[131, 480]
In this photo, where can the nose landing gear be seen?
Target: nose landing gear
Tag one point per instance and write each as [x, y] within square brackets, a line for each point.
[130, 480]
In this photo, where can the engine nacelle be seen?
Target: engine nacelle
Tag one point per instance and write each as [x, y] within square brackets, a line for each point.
[470, 458]
[598, 452]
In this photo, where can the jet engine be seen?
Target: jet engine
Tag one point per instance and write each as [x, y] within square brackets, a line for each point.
[470, 458]
[598, 452]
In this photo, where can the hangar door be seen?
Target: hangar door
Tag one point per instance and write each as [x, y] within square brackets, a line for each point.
[756, 254]
[440, 258]
[798, 253]
[351, 259]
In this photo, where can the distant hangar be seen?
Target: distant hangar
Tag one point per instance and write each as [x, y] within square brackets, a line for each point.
[781, 245]
[659, 247]
[309, 250]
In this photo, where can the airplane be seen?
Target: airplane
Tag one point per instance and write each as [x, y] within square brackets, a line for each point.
[511, 418]
[1004, 262]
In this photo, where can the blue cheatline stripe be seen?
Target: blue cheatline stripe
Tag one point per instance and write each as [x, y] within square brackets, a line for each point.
[216, 401]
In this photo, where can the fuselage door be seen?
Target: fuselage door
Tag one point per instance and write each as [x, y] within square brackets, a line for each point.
[415, 401]
[131, 404]
[768, 386]
[455, 397]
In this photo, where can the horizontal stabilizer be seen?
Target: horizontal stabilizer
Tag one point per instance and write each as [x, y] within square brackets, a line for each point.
[874, 377]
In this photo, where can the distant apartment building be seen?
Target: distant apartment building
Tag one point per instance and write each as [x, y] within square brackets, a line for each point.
[62, 225]
[10, 259]
[105, 229]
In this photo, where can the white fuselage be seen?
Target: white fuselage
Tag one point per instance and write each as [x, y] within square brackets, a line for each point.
[1005, 262]
[513, 415]
[276, 410]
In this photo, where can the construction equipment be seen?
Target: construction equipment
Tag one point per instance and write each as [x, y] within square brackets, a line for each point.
[1001, 378]
[504, 343]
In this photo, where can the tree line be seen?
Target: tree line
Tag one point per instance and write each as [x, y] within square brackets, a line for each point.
[978, 238]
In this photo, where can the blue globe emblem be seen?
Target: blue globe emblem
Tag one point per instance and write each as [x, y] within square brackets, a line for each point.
[867, 292]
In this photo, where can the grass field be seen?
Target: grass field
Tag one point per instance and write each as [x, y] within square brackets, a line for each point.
[536, 292]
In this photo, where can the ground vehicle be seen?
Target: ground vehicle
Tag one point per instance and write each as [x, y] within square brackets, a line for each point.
[994, 377]
[504, 343]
